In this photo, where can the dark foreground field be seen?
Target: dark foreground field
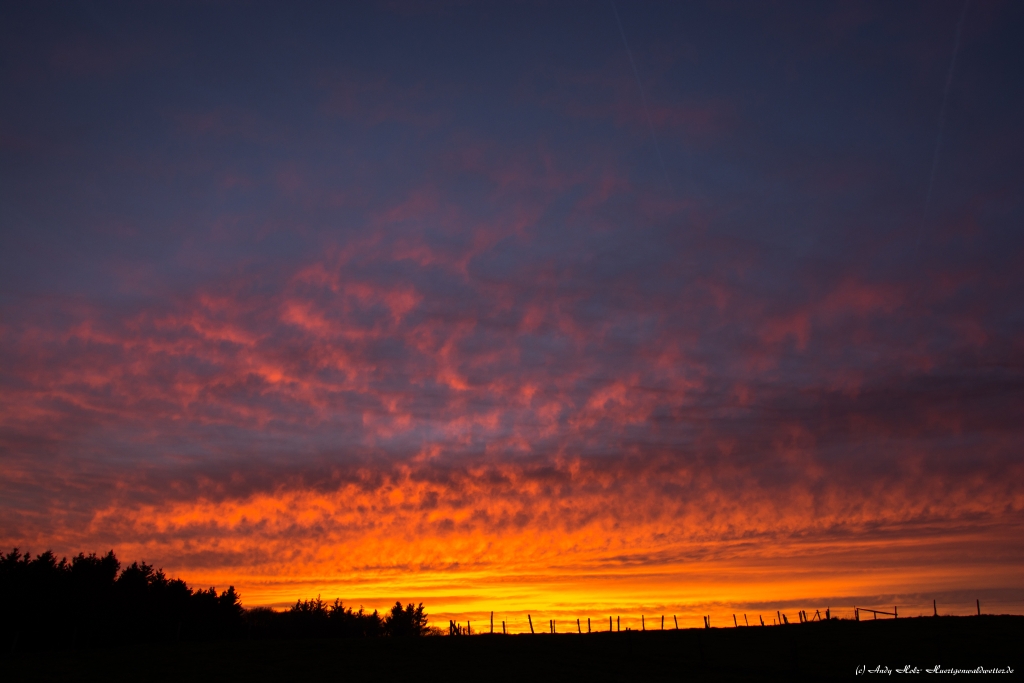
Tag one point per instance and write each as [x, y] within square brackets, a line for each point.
[815, 651]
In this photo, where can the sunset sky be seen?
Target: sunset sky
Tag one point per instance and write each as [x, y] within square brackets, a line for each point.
[568, 309]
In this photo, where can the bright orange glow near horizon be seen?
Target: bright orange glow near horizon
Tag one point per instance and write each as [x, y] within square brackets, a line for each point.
[495, 539]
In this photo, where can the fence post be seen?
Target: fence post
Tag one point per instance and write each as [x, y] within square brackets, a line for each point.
[761, 618]
[979, 606]
[895, 612]
[588, 624]
[643, 626]
[734, 624]
[503, 627]
[610, 629]
[662, 622]
[579, 629]
[618, 623]
[935, 609]
[530, 619]
[675, 620]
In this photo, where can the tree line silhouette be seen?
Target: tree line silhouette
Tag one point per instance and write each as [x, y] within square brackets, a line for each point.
[90, 600]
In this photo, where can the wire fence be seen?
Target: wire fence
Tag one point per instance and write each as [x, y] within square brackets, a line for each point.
[530, 623]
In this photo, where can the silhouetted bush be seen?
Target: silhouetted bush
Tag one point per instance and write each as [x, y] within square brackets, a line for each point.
[315, 619]
[46, 603]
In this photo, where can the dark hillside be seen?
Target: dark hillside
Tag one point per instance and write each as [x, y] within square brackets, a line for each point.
[815, 651]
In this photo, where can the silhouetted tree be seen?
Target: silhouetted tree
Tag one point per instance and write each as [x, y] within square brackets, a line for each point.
[411, 621]
[45, 603]
[91, 600]
[92, 585]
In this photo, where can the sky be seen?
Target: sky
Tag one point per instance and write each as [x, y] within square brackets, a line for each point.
[562, 309]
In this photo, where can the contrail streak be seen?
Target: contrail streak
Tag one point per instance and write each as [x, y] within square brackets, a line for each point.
[643, 98]
[942, 120]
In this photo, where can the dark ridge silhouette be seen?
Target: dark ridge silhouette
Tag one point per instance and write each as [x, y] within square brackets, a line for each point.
[833, 650]
[90, 601]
